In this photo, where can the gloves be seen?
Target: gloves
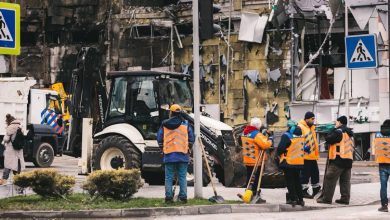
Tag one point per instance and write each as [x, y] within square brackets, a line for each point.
[307, 149]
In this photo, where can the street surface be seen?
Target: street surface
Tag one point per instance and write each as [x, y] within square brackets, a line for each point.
[364, 191]
[355, 213]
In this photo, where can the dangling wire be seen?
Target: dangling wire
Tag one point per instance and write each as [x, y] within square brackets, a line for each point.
[341, 90]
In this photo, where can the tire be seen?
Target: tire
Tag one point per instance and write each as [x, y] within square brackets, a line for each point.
[205, 176]
[44, 156]
[115, 152]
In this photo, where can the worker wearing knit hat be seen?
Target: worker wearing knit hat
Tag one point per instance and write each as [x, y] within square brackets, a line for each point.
[309, 115]
[310, 173]
[340, 156]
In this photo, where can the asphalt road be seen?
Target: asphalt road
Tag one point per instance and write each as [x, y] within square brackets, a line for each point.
[360, 172]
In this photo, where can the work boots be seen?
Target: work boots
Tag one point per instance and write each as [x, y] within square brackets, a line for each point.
[383, 208]
[306, 194]
[316, 190]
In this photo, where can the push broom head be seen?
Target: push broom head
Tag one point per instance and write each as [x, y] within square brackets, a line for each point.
[247, 197]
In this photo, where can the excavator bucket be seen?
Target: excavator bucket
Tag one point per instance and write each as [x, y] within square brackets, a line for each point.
[235, 170]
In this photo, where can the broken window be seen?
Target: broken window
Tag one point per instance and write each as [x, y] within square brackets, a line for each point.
[55, 37]
[90, 37]
[150, 3]
[28, 39]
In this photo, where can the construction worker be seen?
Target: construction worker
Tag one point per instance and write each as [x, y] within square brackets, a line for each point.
[310, 168]
[291, 153]
[382, 157]
[252, 142]
[340, 158]
[175, 137]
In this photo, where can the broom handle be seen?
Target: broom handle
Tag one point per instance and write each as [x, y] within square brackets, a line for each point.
[255, 168]
[207, 165]
[261, 172]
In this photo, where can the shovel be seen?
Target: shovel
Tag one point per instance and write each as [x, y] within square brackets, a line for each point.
[247, 196]
[175, 196]
[216, 198]
[257, 198]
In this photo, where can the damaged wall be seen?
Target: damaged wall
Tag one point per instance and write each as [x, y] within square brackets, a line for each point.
[143, 36]
[52, 33]
[138, 34]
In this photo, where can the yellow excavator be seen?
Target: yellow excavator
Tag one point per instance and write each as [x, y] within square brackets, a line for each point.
[64, 98]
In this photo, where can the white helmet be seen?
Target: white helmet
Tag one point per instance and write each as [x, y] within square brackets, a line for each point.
[256, 122]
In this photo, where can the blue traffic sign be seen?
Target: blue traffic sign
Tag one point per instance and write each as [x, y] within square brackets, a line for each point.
[361, 51]
[9, 28]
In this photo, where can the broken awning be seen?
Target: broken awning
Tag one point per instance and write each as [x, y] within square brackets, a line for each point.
[252, 27]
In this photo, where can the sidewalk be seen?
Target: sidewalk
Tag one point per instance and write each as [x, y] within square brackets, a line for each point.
[361, 194]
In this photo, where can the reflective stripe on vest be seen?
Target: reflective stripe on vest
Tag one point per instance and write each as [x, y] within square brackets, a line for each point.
[382, 149]
[310, 140]
[344, 149]
[295, 153]
[250, 151]
[176, 140]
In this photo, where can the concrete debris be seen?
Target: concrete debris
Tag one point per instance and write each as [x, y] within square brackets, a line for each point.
[273, 74]
[253, 76]
[185, 69]
[276, 51]
[223, 60]
[252, 27]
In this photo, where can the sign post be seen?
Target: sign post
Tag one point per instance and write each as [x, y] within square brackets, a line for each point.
[9, 28]
[361, 51]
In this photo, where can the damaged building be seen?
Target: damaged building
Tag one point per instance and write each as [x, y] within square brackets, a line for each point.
[270, 59]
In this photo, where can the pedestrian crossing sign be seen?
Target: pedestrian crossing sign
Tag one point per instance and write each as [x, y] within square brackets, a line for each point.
[9, 28]
[361, 51]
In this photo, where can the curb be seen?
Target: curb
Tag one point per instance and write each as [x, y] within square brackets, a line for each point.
[163, 211]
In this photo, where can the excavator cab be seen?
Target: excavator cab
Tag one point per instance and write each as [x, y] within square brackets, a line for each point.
[144, 99]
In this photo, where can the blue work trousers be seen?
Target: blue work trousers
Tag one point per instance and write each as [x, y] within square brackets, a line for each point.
[180, 168]
[384, 173]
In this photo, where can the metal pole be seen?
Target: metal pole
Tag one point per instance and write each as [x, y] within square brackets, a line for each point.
[346, 69]
[197, 152]
[172, 51]
[228, 53]
[388, 49]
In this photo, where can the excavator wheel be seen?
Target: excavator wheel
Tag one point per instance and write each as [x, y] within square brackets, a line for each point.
[190, 174]
[116, 152]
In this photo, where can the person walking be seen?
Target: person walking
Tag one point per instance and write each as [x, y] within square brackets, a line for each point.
[175, 137]
[291, 153]
[382, 157]
[310, 170]
[340, 154]
[252, 142]
[13, 159]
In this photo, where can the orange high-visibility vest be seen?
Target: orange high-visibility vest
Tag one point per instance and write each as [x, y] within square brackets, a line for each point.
[295, 153]
[176, 140]
[310, 137]
[382, 148]
[344, 148]
[251, 147]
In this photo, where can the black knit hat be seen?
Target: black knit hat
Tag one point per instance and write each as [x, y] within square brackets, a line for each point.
[309, 115]
[343, 120]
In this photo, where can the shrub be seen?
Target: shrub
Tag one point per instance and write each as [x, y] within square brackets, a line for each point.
[116, 184]
[46, 182]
